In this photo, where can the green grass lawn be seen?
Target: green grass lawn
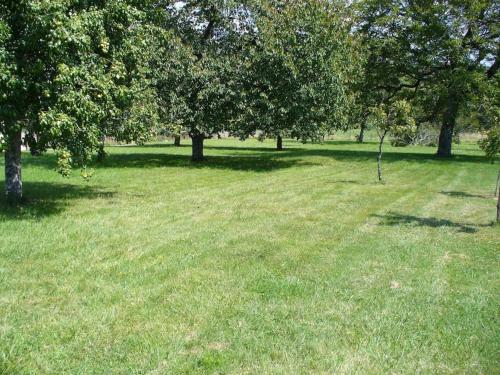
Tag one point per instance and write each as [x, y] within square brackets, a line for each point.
[253, 262]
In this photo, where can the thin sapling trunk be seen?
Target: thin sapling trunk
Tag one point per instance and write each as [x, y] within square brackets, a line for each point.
[379, 157]
[498, 208]
[497, 193]
[496, 187]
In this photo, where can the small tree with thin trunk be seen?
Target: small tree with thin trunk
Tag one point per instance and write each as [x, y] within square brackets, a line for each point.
[497, 192]
[392, 119]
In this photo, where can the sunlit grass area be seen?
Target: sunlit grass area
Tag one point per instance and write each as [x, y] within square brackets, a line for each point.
[253, 262]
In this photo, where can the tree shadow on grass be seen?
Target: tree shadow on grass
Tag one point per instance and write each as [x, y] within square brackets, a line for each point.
[462, 194]
[353, 155]
[395, 219]
[43, 199]
[209, 146]
[291, 146]
[267, 159]
[388, 156]
[270, 149]
[346, 142]
[254, 163]
[353, 182]
[262, 159]
[257, 162]
[152, 145]
[339, 154]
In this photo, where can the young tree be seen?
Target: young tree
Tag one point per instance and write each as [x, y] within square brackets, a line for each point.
[299, 69]
[394, 119]
[68, 76]
[432, 48]
[490, 144]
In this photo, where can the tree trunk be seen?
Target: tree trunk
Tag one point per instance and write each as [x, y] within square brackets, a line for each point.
[279, 143]
[447, 128]
[498, 208]
[101, 153]
[197, 147]
[361, 136]
[177, 140]
[379, 157]
[13, 181]
[496, 186]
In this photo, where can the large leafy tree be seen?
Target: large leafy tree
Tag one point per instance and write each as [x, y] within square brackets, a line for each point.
[70, 72]
[299, 69]
[204, 99]
[434, 52]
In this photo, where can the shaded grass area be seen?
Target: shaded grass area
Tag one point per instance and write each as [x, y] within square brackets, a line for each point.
[253, 262]
[46, 198]
[396, 219]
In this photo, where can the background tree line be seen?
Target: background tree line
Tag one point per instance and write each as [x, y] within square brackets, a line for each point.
[75, 71]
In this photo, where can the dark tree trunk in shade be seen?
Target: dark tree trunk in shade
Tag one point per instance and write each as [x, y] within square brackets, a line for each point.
[101, 152]
[279, 143]
[447, 128]
[361, 136]
[13, 181]
[496, 186]
[197, 147]
[497, 194]
[177, 141]
[498, 208]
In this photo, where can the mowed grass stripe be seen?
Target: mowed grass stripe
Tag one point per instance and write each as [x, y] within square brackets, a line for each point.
[255, 262]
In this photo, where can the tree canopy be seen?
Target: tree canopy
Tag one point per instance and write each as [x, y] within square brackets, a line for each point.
[435, 53]
[299, 69]
[70, 72]
[75, 71]
[204, 99]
